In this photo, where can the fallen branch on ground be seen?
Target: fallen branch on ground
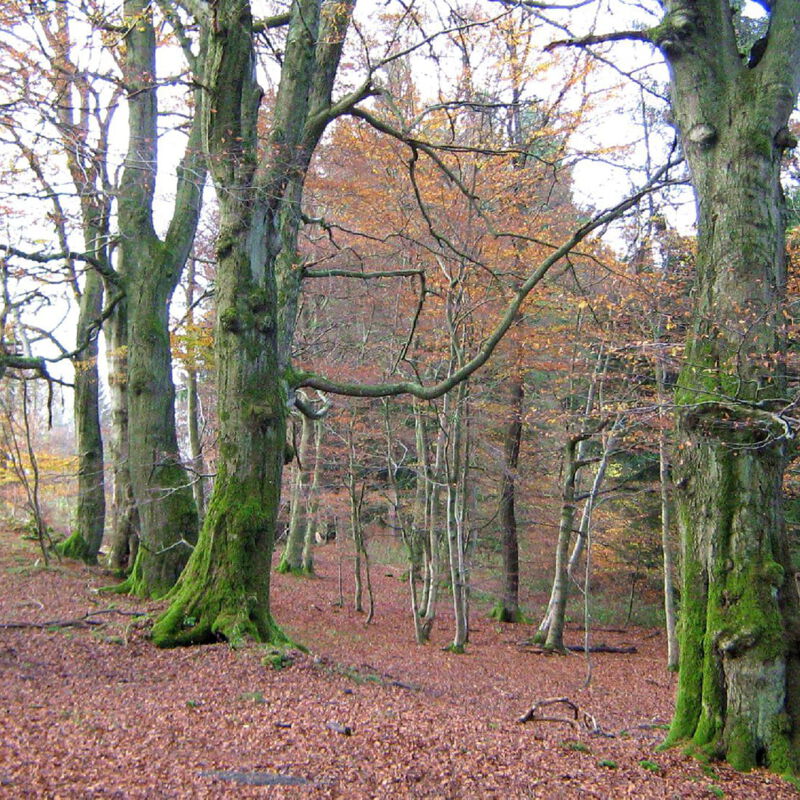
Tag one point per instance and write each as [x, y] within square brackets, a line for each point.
[579, 716]
[531, 647]
[86, 619]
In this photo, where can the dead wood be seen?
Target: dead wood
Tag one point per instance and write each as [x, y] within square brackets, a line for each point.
[531, 647]
[344, 730]
[579, 716]
[86, 619]
[603, 648]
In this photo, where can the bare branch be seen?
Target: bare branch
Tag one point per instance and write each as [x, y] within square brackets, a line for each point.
[416, 389]
[351, 273]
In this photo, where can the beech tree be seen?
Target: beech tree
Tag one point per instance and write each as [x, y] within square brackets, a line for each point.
[150, 267]
[739, 689]
[739, 685]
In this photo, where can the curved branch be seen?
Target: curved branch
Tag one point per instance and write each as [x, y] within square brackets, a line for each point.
[353, 273]
[311, 380]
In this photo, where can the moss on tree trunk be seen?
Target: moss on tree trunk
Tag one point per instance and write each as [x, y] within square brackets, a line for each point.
[224, 591]
[739, 622]
[739, 674]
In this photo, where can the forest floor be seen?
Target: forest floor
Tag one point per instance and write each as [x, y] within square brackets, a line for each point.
[91, 709]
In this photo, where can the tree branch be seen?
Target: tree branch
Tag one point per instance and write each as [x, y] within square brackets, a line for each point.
[311, 380]
[602, 38]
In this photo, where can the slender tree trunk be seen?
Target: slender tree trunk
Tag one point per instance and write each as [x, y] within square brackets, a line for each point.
[553, 633]
[670, 614]
[739, 679]
[419, 546]
[457, 516]
[601, 366]
[193, 406]
[433, 550]
[508, 609]
[124, 539]
[312, 506]
[86, 539]
[292, 559]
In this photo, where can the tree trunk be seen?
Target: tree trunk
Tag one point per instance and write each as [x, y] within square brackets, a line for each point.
[312, 506]
[87, 537]
[151, 269]
[553, 633]
[457, 514]
[124, 539]
[739, 686]
[670, 615]
[508, 609]
[292, 559]
[224, 590]
[193, 406]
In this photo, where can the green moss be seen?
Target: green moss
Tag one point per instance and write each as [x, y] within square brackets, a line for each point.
[458, 649]
[502, 613]
[223, 594]
[229, 320]
[76, 547]
[781, 756]
[741, 749]
[688, 705]
[578, 747]
[285, 568]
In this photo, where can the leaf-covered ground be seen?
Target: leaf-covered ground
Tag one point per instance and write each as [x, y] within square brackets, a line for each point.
[94, 710]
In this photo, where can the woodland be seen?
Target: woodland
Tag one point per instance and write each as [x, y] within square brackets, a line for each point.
[361, 363]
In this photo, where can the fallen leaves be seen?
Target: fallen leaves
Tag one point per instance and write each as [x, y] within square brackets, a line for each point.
[97, 711]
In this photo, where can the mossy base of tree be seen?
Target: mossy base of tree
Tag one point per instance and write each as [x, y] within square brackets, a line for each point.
[134, 585]
[215, 622]
[458, 649]
[76, 547]
[285, 568]
[502, 613]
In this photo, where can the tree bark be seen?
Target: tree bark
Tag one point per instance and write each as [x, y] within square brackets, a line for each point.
[508, 609]
[224, 590]
[193, 410]
[124, 539]
[312, 505]
[90, 519]
[292, 558]
[151, 269]
[739, 686]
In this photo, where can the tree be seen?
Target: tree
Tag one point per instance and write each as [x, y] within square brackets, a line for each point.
[224, 591]
[739, 688]
[739, 685]
[58, 96]
[151, 267]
